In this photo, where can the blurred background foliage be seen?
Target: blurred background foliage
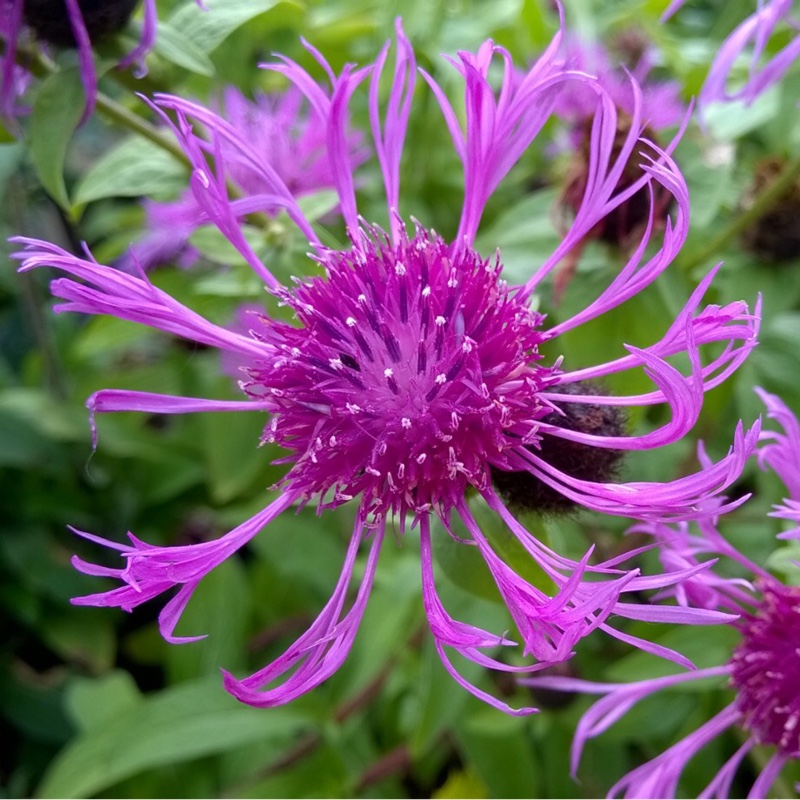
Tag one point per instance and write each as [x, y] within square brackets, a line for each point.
[92, 702]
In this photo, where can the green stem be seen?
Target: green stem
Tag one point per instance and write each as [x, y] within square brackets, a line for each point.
[763, 203]
[125, 118]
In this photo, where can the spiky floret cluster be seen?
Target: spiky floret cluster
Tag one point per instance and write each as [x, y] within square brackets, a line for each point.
[765, 669]
[411, 372]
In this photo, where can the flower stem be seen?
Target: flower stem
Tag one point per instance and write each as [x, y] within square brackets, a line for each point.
[762, 204]
[125, 118]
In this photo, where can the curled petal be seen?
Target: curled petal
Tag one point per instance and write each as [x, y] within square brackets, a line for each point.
[151, 570]
[322, 649]
[464, 639]
[129, 297]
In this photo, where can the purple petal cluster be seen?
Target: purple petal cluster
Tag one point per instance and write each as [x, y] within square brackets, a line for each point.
[763, 670]
[780, 452]
[412, 372]
[661, 105]
[752, 38]
[285, 132]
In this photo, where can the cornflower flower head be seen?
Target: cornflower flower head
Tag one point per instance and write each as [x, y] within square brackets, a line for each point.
[763, 670]
[752, 35]
[412, 374]
[285, 132]
[73, 23]
[660, 107]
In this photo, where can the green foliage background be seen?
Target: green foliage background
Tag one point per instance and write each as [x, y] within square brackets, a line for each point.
[92, 702]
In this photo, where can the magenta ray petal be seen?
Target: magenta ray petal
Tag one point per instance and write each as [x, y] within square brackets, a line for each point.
[498, 130]
[549, 626]
[322, 649]
[781, 451]
[228, 149]
[107, 400]
[85, 56]
[389, 141]
[332, 110]
[148, 39]
[127, 297]
[464, 639]
[757, 29]
[150, 570]
[680, 499]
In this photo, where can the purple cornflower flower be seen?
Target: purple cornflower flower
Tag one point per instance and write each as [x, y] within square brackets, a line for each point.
[75, 24]
[284, 133]
[754, 32]
[763, 670]
[412, 373]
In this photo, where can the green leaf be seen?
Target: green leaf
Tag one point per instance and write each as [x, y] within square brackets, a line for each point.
[219, 609]
[208, 28]
[462, 783]
[214, 245]
[94, 703]
[87, 639]
[57, 109]
[176, 47]
[133, 168]
[181, 723]
[233, 458]
[497, 748]
[318, 204]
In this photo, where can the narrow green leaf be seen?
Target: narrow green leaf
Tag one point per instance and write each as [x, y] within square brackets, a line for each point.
[94, 702]
[57, 110]
[208, 28]
[181, 723]
[133, 168]
[176, 47]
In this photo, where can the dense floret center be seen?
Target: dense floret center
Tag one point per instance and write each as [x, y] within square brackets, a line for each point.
[765, 669]
[412, 370]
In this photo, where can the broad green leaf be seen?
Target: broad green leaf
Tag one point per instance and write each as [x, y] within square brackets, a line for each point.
[462, 783]
[233, 457]
[176, 47]
[95, 702]
[180, 723]
[213, 244]
[731, 120]
[57, 109]
[133, 168]
[85, 638]
[206, 28]
[318, 204]
[499, 750]
[220, 610]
